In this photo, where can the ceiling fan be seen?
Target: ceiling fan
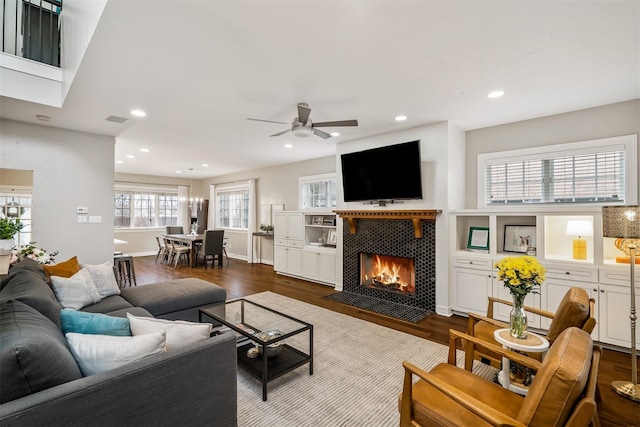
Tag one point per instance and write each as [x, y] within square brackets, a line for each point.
[302, 125]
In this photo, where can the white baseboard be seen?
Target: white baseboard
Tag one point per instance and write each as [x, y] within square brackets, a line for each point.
[444, 311]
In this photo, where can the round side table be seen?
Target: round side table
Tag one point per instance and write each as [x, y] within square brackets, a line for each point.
[533, 343]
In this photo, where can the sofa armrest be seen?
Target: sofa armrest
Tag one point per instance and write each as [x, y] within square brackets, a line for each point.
[194, 385]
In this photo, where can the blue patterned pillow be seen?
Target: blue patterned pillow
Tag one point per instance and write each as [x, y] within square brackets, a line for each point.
[93, 323]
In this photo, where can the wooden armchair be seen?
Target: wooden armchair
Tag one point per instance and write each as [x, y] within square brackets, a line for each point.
[563, 393]
[575, 309]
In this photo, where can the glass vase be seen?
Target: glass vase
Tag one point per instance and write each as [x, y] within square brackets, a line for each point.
[518, 318]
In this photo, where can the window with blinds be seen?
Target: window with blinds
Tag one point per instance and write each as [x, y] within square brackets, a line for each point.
[144, 209]
[318, 192]
[233, 209]
[568, 173]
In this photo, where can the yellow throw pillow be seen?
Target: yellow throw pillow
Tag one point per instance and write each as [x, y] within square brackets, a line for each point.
[63, 269]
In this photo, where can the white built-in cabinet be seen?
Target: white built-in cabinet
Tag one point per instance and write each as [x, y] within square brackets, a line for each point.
[473, 277]
[301, 246]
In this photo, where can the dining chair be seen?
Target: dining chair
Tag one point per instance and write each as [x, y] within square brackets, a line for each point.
[213, 246]
[162, 249]
[225, 243]
[563, 393]
[575, 309]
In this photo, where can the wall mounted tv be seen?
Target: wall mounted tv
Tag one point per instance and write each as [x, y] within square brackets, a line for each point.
[381, 174]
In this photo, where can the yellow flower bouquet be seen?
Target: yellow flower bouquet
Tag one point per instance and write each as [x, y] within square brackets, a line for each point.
[522, 276]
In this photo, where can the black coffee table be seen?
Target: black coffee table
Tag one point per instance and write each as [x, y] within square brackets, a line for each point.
[248, 320]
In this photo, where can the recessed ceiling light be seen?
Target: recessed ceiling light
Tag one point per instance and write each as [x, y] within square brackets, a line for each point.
[144, 150]
[288, 145]
[131, 156]
[335, 134]
[138, 113]
[205, 165]
[401, 118]
[178, 171]
[496, 94]
[119, 161]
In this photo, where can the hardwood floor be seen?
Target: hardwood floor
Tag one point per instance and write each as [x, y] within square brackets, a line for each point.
[240, 279]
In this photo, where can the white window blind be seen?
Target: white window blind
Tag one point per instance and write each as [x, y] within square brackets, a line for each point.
[588, 172]
[318, 192]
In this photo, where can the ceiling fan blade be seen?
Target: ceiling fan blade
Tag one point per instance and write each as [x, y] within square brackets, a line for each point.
[281, 133]
[303, 114]
[338, 123]
[322, 134]
[269, 121]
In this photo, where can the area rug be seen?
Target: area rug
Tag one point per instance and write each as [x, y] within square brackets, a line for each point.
[388, 308]
[357, 373]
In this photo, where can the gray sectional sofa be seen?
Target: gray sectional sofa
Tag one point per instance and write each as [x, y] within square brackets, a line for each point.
[41, 384]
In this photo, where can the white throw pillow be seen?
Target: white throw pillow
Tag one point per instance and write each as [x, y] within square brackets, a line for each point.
[104, 279]
[100, 353]
[76, 291]
[179, 332]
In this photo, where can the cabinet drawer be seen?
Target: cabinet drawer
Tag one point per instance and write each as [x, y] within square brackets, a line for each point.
[583, 274]
[281, 242]
[619, 276]
[296, 243]
[471, 262]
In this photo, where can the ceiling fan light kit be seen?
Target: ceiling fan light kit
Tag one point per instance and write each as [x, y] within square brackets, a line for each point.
[302, 126]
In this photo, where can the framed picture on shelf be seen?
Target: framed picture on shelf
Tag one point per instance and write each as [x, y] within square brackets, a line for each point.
[332, 238]
[478, 239]
[519, 238]
[317, 220]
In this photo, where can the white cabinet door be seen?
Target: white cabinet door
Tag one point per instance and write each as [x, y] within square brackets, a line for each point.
[471, 289]
[327, 268]
[310, 265]
[288, 225]
[281, 225]
[294, 261]
[280, 259]
[613, 319]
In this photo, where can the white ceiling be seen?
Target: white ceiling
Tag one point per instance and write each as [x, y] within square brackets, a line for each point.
[200, 68]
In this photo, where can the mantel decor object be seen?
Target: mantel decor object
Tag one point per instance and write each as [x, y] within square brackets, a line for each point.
[623, 222]
[521, 276]
[579, 228]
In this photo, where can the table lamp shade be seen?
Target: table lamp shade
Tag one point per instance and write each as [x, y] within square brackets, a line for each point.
[621, 221]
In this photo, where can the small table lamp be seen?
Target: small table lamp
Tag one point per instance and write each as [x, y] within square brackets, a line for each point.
[624, 222]
[579, 228]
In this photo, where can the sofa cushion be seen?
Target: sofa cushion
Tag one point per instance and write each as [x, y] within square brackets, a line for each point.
[100, 353]
[93, 323]
[63, 269]
[108, 305]
[174, 295]
[27, 264]
[30, 288]
[76, 291]
[103, 279]
[179, 332]
[33, 352]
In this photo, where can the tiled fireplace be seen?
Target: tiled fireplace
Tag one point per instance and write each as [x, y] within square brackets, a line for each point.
[390, 258]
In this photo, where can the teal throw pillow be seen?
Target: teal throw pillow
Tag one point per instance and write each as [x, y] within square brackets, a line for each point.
[93, 323]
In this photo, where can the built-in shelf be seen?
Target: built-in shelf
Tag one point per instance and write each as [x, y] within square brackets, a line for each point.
[415, 216]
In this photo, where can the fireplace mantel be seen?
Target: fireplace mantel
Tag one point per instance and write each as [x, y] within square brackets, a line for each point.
[416, 217]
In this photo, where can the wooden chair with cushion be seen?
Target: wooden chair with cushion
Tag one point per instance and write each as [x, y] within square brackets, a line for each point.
[575, 309]
[563, 392]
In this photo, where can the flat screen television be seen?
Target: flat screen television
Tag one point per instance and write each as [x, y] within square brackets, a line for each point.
[392, 172]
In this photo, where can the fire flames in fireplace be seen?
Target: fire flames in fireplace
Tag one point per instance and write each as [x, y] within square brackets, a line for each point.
[390, 273]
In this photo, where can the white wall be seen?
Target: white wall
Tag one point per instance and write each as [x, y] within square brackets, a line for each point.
[70, 169]
[441, 149]
[600, 122]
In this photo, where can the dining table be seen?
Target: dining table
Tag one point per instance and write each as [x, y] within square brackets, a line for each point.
[192, 240]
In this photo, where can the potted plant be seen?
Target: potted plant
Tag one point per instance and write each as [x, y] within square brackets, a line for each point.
[8, 229]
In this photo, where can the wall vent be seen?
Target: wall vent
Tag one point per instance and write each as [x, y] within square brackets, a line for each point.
[116, 119]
